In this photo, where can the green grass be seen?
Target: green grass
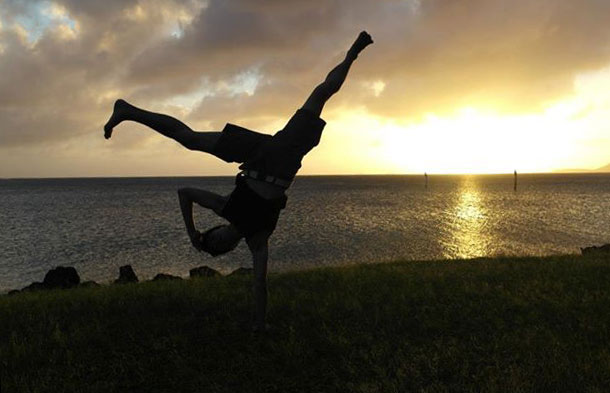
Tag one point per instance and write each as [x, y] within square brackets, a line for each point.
[487, 325]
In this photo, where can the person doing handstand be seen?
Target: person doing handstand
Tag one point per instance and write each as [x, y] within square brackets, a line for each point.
[268, 167]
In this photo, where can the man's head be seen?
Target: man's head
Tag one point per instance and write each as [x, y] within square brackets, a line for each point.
[220, 239]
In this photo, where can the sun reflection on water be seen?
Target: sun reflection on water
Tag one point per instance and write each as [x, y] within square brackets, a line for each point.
[468, 239]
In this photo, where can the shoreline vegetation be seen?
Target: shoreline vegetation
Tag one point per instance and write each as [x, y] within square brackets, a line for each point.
[508, 324]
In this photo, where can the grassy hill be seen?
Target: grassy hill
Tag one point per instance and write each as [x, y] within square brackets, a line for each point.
[490, 325]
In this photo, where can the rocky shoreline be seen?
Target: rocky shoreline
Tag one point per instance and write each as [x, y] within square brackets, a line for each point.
[65, 277]
[62, 277]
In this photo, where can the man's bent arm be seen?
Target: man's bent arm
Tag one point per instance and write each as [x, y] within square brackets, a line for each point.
[203, 198]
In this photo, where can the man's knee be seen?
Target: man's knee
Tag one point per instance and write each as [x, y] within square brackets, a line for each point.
[317, 99]
[200, 141]
[188, 139]
[323, 91]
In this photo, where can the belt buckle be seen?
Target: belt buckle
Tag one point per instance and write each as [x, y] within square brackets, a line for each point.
[254, 174]
[266, 178]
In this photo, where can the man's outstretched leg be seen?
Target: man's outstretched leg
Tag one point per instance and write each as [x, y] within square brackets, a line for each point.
[163, 124]
[336, 76]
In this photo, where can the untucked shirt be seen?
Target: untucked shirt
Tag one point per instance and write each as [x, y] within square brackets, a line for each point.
[250, 212]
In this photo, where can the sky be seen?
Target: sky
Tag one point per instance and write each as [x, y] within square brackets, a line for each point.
[449, 86]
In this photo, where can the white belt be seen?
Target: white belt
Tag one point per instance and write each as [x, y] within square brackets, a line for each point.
[266, 178]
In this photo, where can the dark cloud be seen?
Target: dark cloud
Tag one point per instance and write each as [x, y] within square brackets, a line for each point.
[228, 37]
[432, 55]
[61, 84]
[510, 56]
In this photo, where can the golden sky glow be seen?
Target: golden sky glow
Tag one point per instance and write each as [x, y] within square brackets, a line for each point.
[449, 87]
[571, 133]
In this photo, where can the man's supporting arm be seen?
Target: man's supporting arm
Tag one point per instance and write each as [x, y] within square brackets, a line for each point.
[259, 247]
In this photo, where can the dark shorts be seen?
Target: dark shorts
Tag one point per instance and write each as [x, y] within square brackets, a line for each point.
[238, 144]
[250, 212]
[278, 155]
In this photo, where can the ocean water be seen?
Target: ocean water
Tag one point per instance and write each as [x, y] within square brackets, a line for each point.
[97, 225]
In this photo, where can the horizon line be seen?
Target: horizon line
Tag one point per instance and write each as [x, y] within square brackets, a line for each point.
[558, 172]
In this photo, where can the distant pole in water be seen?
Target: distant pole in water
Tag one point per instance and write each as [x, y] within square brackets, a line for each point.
[515, 183]
[426, 180]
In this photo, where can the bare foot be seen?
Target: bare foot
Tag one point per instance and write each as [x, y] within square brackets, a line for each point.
[116, 118]
[364, 39]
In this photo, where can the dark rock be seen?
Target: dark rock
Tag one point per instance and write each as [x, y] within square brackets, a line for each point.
[605, 249]
[89, 284]
[61, 277]
[166, 277]
[13, 292]
[203, 271]
[126, 275]
[241, 271]
[35, 286]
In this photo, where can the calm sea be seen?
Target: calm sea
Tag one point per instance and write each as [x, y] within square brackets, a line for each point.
[97, 225]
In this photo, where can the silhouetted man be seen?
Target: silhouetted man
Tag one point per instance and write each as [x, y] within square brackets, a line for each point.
[269, 165]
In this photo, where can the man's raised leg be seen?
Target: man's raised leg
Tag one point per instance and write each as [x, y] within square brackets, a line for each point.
[336, 76]
[163, 124]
